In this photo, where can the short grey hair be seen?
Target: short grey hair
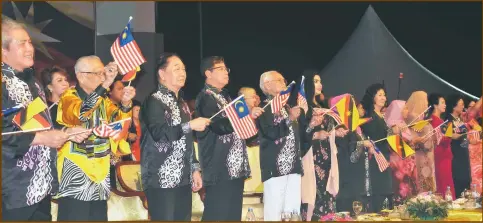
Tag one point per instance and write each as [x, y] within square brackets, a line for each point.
[264, 78]
[82, 62]
[8, 25]
[244, 89]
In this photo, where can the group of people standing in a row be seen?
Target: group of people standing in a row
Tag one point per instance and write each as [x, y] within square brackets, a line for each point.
[439, 162]
[307, 161]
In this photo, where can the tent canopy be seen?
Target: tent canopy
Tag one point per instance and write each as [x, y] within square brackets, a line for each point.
[373, 55]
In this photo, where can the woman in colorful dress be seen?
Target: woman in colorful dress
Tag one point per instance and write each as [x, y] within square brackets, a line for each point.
[403, 170]
[471, 116]
[442, 153]
[425, 179]
[319, 141]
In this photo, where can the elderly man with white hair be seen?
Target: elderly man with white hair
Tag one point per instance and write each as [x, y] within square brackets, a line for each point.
[29, 177]
[280, 159]
[84, 167]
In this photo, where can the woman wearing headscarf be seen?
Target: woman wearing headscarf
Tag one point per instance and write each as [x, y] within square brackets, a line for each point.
[318, 157]
[351, 167]
[403, 168]
[426, 180]
[442, 152]
[373, 101]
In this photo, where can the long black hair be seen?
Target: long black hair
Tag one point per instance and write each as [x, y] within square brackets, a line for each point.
[368, 99]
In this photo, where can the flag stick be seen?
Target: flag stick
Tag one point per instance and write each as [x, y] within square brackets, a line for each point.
[130, 18]
[422, 137]
[51, 106]
[420, 115]
[236, 99]
[76, 133]
[437, 129]
[25, 131]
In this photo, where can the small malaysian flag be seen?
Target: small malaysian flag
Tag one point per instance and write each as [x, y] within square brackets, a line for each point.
[281, 99]
[301, 98]
[240, 119]
[380, 159]
[126, 52]
[107, 130]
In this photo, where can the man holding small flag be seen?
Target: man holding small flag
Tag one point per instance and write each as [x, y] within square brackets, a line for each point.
[280, 156]
[84, 167]
[29, 143]
[169, 169]
[222, 148]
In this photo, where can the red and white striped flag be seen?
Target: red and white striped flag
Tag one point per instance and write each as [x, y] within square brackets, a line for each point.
[106, 131]
[240, 118]
[126, 52]
[380, 159]
[281, 99]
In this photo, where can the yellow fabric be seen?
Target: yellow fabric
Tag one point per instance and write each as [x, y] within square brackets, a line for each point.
[35, 107]
[418, 126]
[253, 184]
[68, 114]
[394, 141]
[464, 215]
[449, 130]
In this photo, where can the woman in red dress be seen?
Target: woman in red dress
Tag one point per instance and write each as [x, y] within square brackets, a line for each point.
[442, 153]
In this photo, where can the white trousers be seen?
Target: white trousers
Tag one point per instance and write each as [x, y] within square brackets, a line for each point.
[281, 194]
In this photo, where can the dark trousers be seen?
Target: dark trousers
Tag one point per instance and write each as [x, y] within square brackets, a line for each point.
[169, 204]
[460, 185]
[71, 209]
[36, 212]
[224, 200]
[112, 176]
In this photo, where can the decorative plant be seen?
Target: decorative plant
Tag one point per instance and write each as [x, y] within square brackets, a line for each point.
[427, 207]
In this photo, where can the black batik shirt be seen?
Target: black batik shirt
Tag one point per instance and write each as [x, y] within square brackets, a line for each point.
[167, 154]
[28, 172]
[280, 153]
[223, 154]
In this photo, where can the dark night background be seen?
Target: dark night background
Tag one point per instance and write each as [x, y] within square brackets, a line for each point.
[255, 37]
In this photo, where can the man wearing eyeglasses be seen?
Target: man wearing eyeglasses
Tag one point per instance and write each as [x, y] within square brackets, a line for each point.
[83, 168]
[280, 159]
[223, 155]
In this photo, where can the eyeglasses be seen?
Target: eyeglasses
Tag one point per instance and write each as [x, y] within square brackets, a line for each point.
[100, 73]
[221, 68]
[278, 80]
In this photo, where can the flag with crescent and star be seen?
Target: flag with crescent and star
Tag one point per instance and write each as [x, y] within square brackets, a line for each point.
[240, 119]
[399, 146]
[126, 52]
[348, 113]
